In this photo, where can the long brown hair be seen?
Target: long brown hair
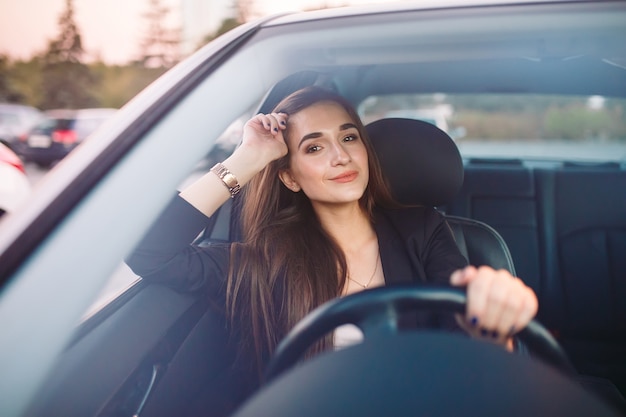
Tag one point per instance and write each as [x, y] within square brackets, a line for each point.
[287, 264]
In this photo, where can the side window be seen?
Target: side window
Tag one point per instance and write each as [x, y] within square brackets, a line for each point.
[9, 119]
[46, 126]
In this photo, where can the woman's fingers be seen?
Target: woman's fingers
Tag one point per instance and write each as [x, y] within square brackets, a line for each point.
[263, 136]
[496, 301]
[498, 304]
[511, 318]
[462, 277]
[528, 308]
[273, 122]
[281, 119]
[482, 305]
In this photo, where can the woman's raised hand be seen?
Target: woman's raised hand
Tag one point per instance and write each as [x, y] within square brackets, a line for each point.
[263, 135]
[498, 304]
[262, 143]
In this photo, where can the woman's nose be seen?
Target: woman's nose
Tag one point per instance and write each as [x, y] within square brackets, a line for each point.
[340, 155]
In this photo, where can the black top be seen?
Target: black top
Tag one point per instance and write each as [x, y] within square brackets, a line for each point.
[416, 245]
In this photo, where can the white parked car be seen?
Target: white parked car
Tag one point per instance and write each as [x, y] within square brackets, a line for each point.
[16, 120]
[14, 184]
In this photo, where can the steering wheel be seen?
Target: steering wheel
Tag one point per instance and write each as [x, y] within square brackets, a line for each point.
[376, 312]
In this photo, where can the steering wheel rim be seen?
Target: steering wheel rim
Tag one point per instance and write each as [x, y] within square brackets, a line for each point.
[376, 312]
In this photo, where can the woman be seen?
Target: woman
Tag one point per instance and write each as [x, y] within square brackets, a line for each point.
[318, 222]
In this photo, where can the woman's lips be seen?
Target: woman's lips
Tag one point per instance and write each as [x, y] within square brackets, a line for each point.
[346, 177]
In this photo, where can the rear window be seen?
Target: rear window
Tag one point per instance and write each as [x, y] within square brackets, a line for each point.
[47, 126]
[63, 124]
[578, 128]
[9, 119]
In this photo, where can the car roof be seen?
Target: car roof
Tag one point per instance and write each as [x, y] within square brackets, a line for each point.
[399, 6]
[79, 113]
[14, 107]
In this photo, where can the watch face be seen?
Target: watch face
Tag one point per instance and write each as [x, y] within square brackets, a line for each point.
[230, 180]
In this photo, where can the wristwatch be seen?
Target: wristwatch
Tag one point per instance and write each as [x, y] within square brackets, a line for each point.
[227, 177]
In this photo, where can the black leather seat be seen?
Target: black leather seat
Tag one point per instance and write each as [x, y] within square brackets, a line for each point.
[424, 167]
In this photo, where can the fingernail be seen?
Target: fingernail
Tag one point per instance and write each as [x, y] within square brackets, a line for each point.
[495, 334]
[484, 332]
[275, 129]
[282, 122]
[474, 321]
[512, 331]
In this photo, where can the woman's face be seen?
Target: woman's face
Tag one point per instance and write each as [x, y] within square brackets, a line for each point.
[327, 156]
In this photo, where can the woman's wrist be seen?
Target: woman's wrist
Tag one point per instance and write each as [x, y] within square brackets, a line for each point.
[210, 191]
[224, 180]
[229, 180]
[244, 164]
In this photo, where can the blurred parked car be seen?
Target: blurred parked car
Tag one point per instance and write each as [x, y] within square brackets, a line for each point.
[14, 184]
[59, 133]
[16, 120]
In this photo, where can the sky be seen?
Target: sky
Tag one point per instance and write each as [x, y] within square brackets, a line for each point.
[111, 29]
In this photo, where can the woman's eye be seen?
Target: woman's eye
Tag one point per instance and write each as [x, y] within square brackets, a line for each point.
[313, 148]
[350, 138]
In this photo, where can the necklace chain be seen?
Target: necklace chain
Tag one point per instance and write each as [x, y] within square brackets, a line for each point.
[371, 278]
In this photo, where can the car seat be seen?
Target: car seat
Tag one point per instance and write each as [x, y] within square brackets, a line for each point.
[424, 167]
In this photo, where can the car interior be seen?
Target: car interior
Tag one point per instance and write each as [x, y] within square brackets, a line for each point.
[557, 223]
[570, 227]
[436, 175]
[184, 331]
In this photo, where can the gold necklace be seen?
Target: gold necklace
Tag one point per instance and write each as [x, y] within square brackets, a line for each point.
[371, 278]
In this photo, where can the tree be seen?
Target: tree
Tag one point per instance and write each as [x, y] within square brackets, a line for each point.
[7, 92]
[159, 47]
[68, 46]
[244, 10]
[227, 24]
[25, 81]
[118, 84]
[66, 81]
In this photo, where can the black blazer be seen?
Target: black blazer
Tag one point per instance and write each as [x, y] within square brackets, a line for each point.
[416, 245]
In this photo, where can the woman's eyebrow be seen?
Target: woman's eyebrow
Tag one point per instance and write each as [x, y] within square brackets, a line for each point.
[315, 135]
[347, 126]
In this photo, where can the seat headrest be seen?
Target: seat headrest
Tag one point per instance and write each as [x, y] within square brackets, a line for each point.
[420, 161]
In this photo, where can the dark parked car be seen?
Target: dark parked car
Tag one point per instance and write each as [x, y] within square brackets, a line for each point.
[540, 90]
[59, 133]
[16, 120]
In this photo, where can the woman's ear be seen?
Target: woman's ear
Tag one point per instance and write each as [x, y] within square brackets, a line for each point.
[288, 180]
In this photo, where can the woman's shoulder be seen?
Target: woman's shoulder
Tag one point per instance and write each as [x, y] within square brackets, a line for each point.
[412, 214]
[410, 222]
